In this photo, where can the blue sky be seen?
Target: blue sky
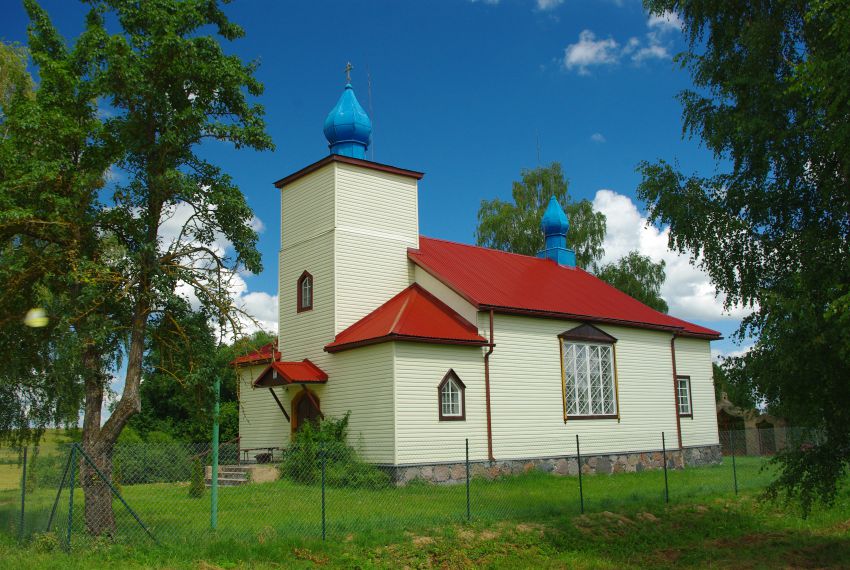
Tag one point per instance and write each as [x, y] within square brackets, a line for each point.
[465, 91]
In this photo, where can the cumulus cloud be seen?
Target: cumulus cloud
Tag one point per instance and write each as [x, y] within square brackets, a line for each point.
[178, 229]
[718, 354]
[687, 290]
[589, 52]
[668, 21]
[598, 138]
[544, 5]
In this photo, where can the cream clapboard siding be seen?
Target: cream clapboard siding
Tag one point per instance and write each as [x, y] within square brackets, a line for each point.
[307, 241]
[420, 435]
[436, 287]
[376, 221]
[526, 393]
[361, 381]
[350, 228]
[693, 358]
[261, 423]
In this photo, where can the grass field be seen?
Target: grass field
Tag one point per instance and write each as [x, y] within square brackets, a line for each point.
[723, 532]
[10, 465]
[522, 521]
[290, 509]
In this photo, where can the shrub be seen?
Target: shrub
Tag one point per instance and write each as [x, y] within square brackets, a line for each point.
[197, 484]
[326, 439]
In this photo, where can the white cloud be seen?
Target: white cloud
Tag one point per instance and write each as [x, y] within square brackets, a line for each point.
[598, 138]
[688, 289]
[651, 51]
[490, 2]
[259, 305]
[655, 44]
[667, 21]
[544, 5]
[589, 51]
[718, 354]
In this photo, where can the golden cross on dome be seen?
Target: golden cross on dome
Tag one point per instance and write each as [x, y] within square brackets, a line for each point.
[348, 68]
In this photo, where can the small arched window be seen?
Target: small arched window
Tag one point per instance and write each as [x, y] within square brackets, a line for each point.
[451, 398]
[305, 292]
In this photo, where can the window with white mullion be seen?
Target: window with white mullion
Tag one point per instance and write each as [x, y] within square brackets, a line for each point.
[588, 379]
[683, 385]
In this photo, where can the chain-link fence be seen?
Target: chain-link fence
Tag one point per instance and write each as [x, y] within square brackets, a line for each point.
[314, 489]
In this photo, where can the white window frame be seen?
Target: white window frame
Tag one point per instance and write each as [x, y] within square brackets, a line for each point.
[684, 396]
[451, 393]
[580, 363]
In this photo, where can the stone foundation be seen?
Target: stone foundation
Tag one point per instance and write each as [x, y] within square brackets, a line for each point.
[449, 473]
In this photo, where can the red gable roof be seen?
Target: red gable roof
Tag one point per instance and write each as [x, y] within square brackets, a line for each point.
[266, 353]
[412, 315]
[512, 283]
[282, 373]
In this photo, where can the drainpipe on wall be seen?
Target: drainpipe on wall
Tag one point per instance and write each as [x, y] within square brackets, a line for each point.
[676, 390]
[487, 390]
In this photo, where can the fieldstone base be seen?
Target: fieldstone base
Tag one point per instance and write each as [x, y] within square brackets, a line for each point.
[449, 473]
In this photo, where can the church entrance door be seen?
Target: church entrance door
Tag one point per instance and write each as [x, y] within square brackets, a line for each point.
[305, 407]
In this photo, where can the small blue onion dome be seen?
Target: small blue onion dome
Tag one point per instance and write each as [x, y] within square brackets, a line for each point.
[554, 220]
[347, 127]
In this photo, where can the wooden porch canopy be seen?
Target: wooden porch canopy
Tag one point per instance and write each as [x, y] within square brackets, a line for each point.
[285, 373]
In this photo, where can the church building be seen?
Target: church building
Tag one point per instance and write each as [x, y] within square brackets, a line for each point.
[430, 343]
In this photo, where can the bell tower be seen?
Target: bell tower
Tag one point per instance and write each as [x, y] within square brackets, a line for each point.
[347, 223]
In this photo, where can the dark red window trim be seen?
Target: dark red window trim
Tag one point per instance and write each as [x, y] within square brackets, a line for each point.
[299, 306]
[451, 374]
[690, 396]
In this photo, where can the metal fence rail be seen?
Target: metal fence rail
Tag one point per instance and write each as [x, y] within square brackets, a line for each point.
[329, 490]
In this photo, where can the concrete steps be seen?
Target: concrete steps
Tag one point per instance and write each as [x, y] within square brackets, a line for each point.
[229, 475]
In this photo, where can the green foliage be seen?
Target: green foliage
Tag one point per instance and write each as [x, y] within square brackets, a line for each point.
[771, 226]
[515, 227]
[15, 80]
[326, 441]
[52, 165]
[177, 392]
[637, 275]
[163, 462]
[228, 421]
[197, 484]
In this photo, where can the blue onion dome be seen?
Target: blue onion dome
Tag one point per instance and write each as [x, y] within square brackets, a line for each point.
[554, 220]
[348, 128]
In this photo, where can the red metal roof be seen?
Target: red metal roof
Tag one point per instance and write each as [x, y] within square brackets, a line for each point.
[266, 353]
[512, 283]
[412, 315]
[281, 373]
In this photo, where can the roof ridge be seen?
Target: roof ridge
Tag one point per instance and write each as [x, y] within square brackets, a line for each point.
[493, 249]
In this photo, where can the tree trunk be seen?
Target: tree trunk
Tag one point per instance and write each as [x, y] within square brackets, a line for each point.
[100, 519]
[99, 441]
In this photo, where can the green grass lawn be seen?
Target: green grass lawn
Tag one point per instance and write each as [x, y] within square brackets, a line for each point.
[528, 520]
[10, 465]
[291, 509]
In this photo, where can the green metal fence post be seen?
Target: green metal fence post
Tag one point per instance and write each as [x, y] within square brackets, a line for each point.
[71, 494]
[734, 468]
[214, 466]
[324, 459]
[580, 488]
[664, 456]
[58, 493]
[468, 513]
[23, 497]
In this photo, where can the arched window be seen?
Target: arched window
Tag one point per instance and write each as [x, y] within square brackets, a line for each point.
[451, 397]
[305, 292]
